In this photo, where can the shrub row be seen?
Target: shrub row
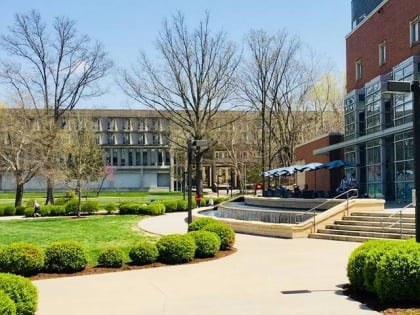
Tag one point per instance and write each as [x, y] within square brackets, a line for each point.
[206, 236]
[68, 206]
[17, 295]
[388, 269]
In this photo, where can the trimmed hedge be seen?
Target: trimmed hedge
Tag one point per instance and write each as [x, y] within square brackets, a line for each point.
[143, 253]
[7, 306]
[389, 269]
[71, 207]
[110, 207]
[90, 206]
[170, 205]
[356, 263]
[176, 248]
[111, 257]
[182, 205]
[65, 257]
[224, 231]
[9, 210]
[20, 210]
[200, 223]
[208, 243]
[21, 290]
[398, 274]
[21, 259]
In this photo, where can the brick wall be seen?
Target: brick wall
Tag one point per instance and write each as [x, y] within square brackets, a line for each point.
[325, 180]
[390, 24]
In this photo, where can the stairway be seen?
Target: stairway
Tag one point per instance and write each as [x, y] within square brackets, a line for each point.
[362, 226]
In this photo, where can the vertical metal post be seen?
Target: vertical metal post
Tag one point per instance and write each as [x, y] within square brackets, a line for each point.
[189, 171]
[415, 89]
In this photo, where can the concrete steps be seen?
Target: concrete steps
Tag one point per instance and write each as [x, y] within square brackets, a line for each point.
[362, 226]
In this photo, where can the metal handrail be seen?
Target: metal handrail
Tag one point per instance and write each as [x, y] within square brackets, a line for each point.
[354, 194]
[399, 221]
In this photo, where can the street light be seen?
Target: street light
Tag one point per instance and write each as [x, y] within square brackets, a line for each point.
[396, 87]
[190, 145]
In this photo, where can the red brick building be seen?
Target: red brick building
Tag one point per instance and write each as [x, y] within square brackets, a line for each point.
[383, 45]
[323, 180]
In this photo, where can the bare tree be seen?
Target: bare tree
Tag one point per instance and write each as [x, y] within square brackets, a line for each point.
[326, 98]
[275, 83]
[24, 134]
[84, 158]
[52, 68]
[192, 84]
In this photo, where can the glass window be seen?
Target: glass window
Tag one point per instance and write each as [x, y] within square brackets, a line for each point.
[382, 53]
[358, 69]
[414, 31]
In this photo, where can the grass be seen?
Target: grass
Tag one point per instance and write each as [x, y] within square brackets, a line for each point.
[95, 232]
[104, 197]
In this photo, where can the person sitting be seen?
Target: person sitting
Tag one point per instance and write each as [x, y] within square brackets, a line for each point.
[210, 202]
[296, 191]
[344, 185]
[37, 209]
[352, 182]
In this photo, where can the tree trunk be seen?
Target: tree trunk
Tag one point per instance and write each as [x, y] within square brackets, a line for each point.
[19, 194]
[79, 195]
[50, 191]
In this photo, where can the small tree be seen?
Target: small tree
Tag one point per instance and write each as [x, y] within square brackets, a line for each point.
[83, 156]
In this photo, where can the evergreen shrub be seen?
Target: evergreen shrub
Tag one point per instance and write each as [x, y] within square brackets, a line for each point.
[176, 248]
[398, 274]
[20, 210]
[110, 207]
[1, 211]
[22, 259]
[57, 210]
[90, 206]
[155, 208]
[128, 208]
[9, 210]
[21, 290]
[143, 253]
[65, 257]
[182, 205]
[199, 223]
[371, 260]
[170, 205]
[356, 263]
[72, 207]
[7, 306]
[224, 231]
[111, 257]
[208, 243]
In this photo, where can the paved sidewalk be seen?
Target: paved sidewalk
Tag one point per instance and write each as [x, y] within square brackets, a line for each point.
[265, 276]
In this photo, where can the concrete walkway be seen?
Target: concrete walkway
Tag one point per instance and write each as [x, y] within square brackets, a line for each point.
[265, 276]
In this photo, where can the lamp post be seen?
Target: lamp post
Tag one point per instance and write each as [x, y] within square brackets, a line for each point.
[413, 87]
[190, 145]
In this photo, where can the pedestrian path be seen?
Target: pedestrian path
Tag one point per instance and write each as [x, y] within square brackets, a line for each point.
[265, 276]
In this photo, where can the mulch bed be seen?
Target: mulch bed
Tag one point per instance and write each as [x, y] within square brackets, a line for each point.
[90, 270]
[371, 301]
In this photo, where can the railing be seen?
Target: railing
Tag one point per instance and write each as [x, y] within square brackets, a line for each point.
[399, 221]
[349, 194]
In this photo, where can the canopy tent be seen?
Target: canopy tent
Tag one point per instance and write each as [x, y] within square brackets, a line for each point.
[289, 170]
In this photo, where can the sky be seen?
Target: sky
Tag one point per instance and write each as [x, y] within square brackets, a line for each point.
[125, 27]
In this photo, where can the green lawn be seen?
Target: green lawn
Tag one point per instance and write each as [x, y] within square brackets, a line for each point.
[104, 197]
[94, 232]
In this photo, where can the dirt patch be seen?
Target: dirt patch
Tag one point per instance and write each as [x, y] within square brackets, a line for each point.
[89, 270]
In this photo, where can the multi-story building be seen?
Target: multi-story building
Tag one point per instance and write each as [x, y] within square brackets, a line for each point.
[136, 149]
[383, 45]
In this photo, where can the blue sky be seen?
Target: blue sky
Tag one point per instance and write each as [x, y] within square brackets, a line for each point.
[127, 26]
